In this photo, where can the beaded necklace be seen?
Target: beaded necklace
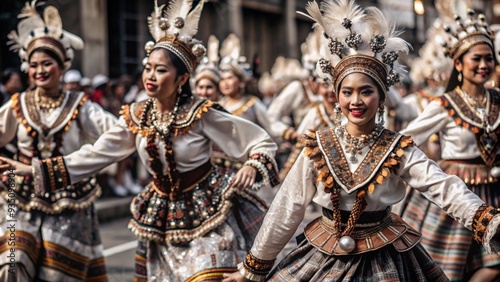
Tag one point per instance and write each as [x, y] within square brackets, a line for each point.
[46, 102]
[354, 145]
[168, 183]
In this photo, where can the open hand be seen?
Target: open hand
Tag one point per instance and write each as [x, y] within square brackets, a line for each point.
[11, 166]
[244, 178]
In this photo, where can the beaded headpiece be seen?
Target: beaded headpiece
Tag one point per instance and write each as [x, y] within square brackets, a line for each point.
[466, 34]
[208, 67]
[34, 32]
[356, 40]
[174, 30]
[232, 60]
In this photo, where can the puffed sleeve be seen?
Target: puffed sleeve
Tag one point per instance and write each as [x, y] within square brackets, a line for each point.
[451, 194]
[264, 121]
[244, 141]
[94, 120]
[282, 220]
[430, 121]
[114, 145]
[8, 123]
[282, 106]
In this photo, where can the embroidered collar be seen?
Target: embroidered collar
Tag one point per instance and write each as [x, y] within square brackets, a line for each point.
[184, 119]
[337, 161]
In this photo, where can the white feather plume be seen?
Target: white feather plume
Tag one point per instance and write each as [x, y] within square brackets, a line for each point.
[192, 20]
[213, 50]
[231, 47]
[29, 10]
[153, 22]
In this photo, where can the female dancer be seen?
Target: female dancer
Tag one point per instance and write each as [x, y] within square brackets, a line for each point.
[468, 122]
[194, 221]
[360, 170]
[56, 235]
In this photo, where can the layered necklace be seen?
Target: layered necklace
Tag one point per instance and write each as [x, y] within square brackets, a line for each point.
[46, 102]
[161, 121]
[354, 145]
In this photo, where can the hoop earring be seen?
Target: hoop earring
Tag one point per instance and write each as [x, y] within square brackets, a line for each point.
[459, 76]
[381, 119]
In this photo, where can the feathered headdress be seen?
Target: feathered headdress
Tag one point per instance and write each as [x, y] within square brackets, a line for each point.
[174, 30]
[34, 32]
[466, 34]
[208, 67]
[356, 40]
[310, 48]
[232, 59]
[432, 63]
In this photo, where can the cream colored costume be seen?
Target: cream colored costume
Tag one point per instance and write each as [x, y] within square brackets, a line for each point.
[63, 220]
[182, 228]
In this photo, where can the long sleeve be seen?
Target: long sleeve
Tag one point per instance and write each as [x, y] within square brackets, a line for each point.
[449, 193]
[284, 216]
[283, 105]
[113, 146]
[432, 120]
[264, 121]
[242, 140]
[8, 123]
[95, 120]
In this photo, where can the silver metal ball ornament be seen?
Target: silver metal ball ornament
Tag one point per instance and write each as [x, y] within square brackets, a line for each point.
[164, 24]
[149, 46]
[347, 244]
[495, 172]
[179, 22]
[199, 50]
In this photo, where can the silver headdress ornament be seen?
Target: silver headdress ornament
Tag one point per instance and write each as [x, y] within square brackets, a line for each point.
[208, 67]
[232, 59]
[33, 33]
[466, 34]
[356, 40]
[174, 30]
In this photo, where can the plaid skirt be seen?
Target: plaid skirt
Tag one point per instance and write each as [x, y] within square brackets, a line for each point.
[447, 241]
[306, 263]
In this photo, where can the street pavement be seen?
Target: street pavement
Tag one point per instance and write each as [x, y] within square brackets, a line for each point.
[120, 244]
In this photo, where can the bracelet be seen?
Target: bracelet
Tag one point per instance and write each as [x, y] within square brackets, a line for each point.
[256, 265]
[482, 218]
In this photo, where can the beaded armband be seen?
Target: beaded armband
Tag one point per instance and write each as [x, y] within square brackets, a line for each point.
[257, 266]
[482, 218]
[55, 175]
[267, 170]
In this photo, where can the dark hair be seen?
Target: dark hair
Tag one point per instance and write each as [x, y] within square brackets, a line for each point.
[453, 81]
[49, 53]
[181, 70]
[7, 74]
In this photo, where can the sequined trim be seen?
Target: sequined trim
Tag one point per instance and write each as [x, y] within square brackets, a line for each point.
[184, 120]
[196, 212]
[482, 218]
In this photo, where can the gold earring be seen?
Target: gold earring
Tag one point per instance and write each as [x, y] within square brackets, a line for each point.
[459, 76]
